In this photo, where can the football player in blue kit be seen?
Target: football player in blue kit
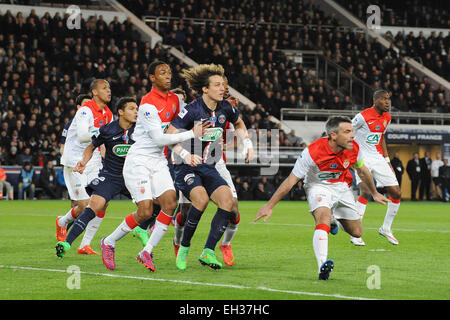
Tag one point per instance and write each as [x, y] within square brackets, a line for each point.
[116, 138]
[201, 182]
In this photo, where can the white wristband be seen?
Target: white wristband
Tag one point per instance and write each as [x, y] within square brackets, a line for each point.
[387, 159]
[184, 153]
[248, 143]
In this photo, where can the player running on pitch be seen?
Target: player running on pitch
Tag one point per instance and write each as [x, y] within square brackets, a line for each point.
[324, 168]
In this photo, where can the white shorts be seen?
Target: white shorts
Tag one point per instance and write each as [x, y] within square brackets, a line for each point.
[339, 199]
[224, 173]
[76, 182]
[146, 178]
[381, 171]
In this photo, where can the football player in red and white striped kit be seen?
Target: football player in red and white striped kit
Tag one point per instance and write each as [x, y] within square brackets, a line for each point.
[324, 169]
[370, 126]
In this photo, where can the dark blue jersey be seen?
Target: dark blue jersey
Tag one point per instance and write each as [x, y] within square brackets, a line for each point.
[211, 146]
[117, 142]
[62, 140]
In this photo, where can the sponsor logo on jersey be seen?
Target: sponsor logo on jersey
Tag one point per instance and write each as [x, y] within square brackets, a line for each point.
[325, 175]
[373, 138]
[121, 150]
[212, 134]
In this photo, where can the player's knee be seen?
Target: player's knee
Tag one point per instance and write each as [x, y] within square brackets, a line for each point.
[227, 204]
[396, 193]
[357, 232]
[169, 205]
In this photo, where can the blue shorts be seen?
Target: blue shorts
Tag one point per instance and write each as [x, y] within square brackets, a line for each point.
[205, 175]
[108, 186]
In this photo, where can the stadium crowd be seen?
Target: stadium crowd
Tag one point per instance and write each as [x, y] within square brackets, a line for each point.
[44, 66]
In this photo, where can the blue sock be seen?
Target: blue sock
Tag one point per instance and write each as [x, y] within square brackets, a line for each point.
[193, 217]
[218, 225]
[80, 224]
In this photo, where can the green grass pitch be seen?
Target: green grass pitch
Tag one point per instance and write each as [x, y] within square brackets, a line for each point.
[274, 260]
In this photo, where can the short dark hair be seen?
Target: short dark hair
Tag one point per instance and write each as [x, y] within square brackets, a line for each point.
[377, 94]
[332, 124]
[153, 65]
[94, 83]
[120, 105]
[80, 98]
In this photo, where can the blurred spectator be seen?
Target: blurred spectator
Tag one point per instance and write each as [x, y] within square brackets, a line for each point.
[260, 193]
[27, 181]
[5, 185]
[436, 164]
[413, 168]
[245, 192]
[294, 140]
[425, 181]
[444, 175]
[399, 170]
[48, 181]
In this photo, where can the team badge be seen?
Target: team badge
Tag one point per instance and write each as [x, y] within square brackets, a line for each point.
[222, 119]
[346, 163]
[142, 189]
[95, 182]
[174, 108]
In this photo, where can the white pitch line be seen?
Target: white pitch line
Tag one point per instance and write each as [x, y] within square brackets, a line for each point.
[339, 296]
[257, 223]
[311, 225]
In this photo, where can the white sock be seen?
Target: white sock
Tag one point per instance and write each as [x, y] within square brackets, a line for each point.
[229, 233]
[361, 206]
[178, 233]
[66, 219]
[122, 230]
[320, 246]
[91, 230]
[162, 223]
[391, 212]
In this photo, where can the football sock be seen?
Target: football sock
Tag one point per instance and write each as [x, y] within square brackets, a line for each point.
[193, 217]
[391, 212]
[162, 223]
[361, 206]
[127, 225]
[320, 243]
[91, 229]
[179, 228]
[67, 218]
[231, 230]
[218, 225]
[80, 224]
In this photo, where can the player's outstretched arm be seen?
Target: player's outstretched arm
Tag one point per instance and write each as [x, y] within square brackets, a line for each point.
[283, 189]
[165, 139]
[87, 155]
[367, 178]
[188, 158]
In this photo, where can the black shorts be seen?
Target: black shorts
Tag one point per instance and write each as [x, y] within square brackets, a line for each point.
[205, 175]
[108, 186]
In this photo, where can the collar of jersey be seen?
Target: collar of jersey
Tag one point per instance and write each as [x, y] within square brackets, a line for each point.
[159, 93]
